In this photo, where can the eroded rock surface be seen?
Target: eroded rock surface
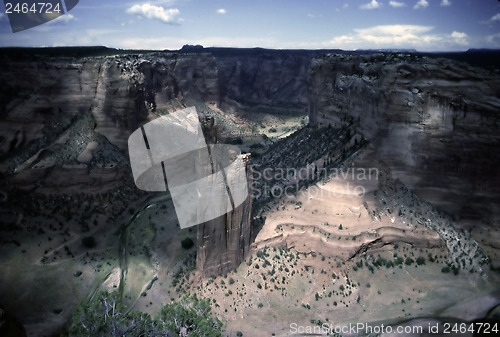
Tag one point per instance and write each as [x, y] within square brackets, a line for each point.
[434, 121]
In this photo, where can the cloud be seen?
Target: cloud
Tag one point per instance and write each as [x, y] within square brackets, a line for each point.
[394, 34]
[397, 4]
[221, 11]
[385, 36]
[399, 37]
[495, 18]
[154, 12]
[65, 18]
[371, 5]
[493, 39]
[421, 4]
[445, 3]
[345, 6]
[460, 38]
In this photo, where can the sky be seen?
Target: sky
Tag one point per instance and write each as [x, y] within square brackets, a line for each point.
[424, 25]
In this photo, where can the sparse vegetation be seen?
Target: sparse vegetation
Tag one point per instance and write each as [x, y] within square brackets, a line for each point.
[105, 316]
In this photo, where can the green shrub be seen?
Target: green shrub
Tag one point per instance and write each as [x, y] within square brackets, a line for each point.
[187, 243]
[105, 316]
[88, 241]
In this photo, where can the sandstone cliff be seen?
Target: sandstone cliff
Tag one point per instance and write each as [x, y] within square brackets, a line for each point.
[65, 121]
[433, 121]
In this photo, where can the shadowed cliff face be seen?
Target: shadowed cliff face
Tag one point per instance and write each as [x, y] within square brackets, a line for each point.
[41, 96]
[434, 122]
[264, 78]
[224, 242]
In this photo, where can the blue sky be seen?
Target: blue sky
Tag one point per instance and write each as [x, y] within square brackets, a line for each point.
[424, 25]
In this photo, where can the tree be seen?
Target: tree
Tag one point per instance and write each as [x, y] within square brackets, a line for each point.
[105, 316]
[191, 316]
[420, 260]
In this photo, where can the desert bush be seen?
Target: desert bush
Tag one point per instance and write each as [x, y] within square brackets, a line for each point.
[88, 241]
[105, 316]
[420, 260]
[187, 243]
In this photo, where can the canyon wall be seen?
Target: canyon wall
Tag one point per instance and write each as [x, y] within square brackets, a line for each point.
[435, 122]
[65, 120]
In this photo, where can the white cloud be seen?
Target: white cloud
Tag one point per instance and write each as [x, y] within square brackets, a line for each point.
[65, 18]
[495, 18]
[371, 5]
[460, 38]
[421, 4]
[494, 39]
[221, 11]
[445, 3]
[397, 4]
[385, 36]
[399, 37]
[345, 6]
[394, 34]
[155, 12]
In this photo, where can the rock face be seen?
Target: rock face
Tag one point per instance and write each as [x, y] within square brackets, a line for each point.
[65, 120]
[433, 121]
[265, 77]
[223, 243]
